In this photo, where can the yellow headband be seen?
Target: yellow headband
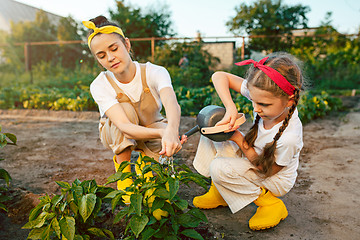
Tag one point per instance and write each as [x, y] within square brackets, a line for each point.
[105, 29]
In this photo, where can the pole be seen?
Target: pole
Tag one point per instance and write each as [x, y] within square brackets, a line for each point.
[243, 49]
[152, 49]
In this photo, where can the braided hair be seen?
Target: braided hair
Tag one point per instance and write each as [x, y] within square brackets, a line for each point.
[286, 66]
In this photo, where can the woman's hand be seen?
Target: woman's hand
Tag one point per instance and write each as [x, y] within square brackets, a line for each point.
[183, 139]
[170, 142]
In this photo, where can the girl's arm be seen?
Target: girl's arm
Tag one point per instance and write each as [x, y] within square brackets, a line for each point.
[250, 152]
[223, 82]
[170, 139]
[132, 131]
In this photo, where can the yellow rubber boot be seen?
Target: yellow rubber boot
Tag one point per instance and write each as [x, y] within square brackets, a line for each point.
[270, 212]
[138, 169]
[211, 199]
[122, 185]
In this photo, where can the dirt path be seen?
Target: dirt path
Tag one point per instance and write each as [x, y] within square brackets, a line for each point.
[324, 204]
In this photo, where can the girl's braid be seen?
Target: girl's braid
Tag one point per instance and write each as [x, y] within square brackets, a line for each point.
[251, 136]
[287, 119]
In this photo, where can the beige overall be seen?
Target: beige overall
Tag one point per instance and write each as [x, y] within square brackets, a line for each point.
[145, 113]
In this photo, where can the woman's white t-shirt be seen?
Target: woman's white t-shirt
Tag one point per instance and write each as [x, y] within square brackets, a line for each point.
[104, 94]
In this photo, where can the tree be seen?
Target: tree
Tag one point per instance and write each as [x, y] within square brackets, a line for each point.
[197, 73]
[42, 30]
[70, 54]
[136, 24]
[39, 30]
[268, 17]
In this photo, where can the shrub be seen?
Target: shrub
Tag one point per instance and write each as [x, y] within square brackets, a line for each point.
[155, 210]
[5, 139]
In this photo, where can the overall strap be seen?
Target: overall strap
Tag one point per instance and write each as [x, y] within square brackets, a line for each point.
[120, 95]
[143, 78]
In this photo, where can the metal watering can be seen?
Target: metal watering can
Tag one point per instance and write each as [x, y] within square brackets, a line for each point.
[206, 120]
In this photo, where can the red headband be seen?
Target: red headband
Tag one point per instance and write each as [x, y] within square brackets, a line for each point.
[274, 75]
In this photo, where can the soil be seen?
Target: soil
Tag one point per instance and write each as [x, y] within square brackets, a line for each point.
[62, 146]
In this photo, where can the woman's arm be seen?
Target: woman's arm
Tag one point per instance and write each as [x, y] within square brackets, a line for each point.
[132, 131]
[170, 140]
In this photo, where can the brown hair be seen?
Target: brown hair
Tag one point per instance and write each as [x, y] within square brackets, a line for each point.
[287, 66]
[101, 21]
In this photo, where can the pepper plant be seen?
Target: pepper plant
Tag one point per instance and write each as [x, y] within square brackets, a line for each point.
[5, 139]
[156, 211]
[74, 214]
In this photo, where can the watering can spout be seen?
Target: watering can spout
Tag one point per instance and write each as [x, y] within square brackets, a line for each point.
[192, 131]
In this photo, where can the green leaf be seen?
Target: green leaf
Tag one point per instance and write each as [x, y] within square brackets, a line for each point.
[109, 233]
[12, 137]
[198, 214]
[188, 221]
[116, 200]
[97, 232]
[138, 223]
[181, 204]
[78, 237]
[97, 206]
[170, 237]
[192, 233]
[158, 203]
[39, 221]
[162, 193]
[136, 201]
[36, 233]
[121, 214]
[3, 207]
[34, 213]
[113, 193]
[77, 182]
[55, 200]
[118, 176]
[90, 186]
[67, 227]
[46, 233]
[173, 187]
[64, 185]
[157, 169]
[77, 193]
[5, 175]
[87, 205]
[148, 233]
[56, 227]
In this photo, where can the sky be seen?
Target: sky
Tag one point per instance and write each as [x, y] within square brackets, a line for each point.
[205, 16]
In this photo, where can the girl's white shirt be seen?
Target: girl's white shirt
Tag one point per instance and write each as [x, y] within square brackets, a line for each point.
[104, 94]
[289, 144]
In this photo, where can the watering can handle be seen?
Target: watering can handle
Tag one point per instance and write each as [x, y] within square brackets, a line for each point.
[192, 131]
[217, 129]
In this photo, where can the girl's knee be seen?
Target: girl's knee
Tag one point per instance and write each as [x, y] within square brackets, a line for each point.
[218, 170]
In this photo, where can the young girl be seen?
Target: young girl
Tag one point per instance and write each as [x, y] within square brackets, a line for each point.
[261, 165]
[130, 96]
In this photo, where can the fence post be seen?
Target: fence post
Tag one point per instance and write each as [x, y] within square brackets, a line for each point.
[152, 49]
[243, 49]
[27, 56]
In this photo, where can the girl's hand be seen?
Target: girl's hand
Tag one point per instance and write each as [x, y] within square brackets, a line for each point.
[229, 118]
[170, 142]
